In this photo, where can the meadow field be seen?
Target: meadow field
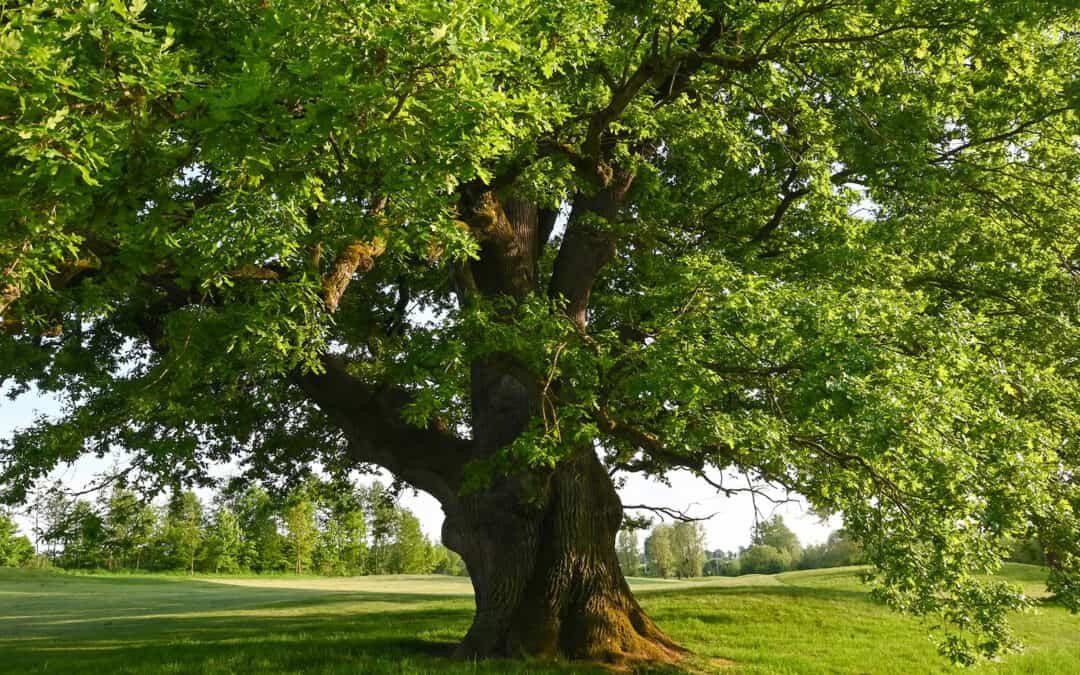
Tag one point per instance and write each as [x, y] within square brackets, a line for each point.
[798, 622]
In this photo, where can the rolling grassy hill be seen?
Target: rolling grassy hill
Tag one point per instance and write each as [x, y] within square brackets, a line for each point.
[800, 622]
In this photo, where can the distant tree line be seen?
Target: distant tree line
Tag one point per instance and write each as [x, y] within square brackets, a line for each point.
[775, 548]
[670, 551]
[678, 550]
[316, 529]
[350, 530]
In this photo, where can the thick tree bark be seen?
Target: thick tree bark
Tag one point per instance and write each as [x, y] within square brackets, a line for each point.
[546, 577]
[540, 545]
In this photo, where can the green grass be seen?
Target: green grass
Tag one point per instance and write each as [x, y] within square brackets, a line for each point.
[799, 622]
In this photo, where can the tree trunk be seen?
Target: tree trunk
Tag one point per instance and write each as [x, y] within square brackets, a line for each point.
[546, 576]
[540, 544]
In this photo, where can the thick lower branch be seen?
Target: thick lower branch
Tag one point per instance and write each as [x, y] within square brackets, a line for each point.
[370, 416]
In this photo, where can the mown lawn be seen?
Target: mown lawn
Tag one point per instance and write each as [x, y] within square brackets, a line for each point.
[800, 622]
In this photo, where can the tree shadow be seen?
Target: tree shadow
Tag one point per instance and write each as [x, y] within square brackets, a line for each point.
[107, 626]
[190, 625]
[120, 612]
[400, 641]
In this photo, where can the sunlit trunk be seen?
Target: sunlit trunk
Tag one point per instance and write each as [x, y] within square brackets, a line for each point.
[546, 576]
[540, 546]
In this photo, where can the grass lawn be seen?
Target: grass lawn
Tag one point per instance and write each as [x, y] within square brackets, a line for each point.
[799, 622]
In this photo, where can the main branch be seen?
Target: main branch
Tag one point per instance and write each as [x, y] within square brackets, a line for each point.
[370, 415]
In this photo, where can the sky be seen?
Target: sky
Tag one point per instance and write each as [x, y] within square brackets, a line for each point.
[727, 529]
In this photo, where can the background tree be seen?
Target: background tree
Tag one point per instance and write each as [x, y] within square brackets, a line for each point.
[764, 559]
[774, 532]
[184, 528]
[352, 525]
[327, 557]
[84, 536]
[410, 552]
[723, 563]
[158, 554]
[224, 541]
[831, 245]
[688, 548]
[261, 549]
[448, 562]
[324, 532]
[1027, 551]
[128, 525]
[381, 506]
[342, 547]
[660, 551]
[15, 550]
[143, 533]
[301, 531]
[51, 508]
[838, 550]
[629, 552]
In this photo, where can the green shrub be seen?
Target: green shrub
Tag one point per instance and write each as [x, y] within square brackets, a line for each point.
[764, 559]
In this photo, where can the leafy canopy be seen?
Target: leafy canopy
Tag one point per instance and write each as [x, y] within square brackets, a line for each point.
[847, 262]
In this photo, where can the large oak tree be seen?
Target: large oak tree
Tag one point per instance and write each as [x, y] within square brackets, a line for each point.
[508, 249]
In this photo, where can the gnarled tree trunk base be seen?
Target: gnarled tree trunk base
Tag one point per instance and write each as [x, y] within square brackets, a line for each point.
[541, 554]
[608, 630]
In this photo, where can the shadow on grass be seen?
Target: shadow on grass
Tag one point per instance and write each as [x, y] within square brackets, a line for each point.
[130, 625]
[316, 641]
[83, 624]
[146, 624]
[391, 642]
[59, 599]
